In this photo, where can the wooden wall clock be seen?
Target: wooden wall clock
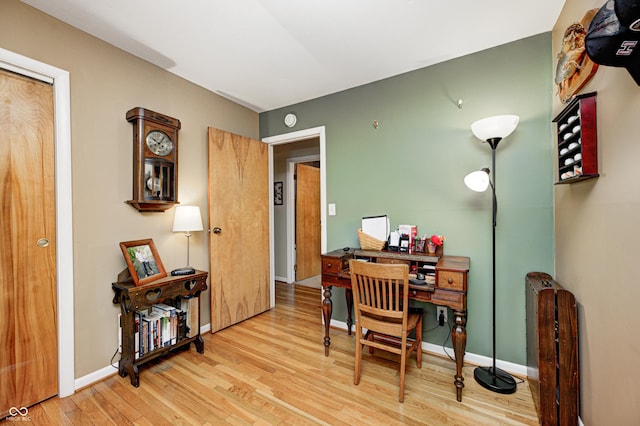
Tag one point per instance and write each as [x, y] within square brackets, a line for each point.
[155, 160]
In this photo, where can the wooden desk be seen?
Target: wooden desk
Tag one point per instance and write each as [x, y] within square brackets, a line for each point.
[450, 289]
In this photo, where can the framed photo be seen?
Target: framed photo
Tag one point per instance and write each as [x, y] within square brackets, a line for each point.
[143, 261]
[278, 193]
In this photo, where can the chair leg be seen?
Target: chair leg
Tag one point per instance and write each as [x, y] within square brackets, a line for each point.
[403, 365]
[356, 372]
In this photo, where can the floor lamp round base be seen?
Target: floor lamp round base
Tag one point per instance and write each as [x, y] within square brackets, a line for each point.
[500, 382]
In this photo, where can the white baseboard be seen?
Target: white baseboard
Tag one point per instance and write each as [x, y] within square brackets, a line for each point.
[96, 376]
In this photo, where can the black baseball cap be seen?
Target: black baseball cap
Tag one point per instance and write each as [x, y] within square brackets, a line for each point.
[609, 43]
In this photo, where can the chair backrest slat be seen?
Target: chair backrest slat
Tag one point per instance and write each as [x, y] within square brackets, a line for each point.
[380, 289]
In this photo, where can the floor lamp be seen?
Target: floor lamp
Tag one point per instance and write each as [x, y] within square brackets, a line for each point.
[492, 130]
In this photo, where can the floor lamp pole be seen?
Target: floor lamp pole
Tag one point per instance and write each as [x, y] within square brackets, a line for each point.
[492, 377]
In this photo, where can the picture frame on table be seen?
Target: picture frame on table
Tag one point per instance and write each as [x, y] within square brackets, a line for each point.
[143, 261]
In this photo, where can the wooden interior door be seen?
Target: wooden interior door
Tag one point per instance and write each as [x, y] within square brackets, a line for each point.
[239, 223]
[28, 329]
[308, 246]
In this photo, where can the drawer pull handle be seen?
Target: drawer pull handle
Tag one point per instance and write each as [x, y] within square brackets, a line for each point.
[329, 265]
[450, 280]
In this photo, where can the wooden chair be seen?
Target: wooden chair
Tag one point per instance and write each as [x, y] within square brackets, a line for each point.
[381, 304]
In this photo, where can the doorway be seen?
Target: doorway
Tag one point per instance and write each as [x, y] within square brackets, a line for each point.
[307, 265]
[285, 254]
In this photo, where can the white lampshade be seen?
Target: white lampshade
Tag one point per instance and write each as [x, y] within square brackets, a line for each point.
[477, 181]
[187, 219]
[499, 126]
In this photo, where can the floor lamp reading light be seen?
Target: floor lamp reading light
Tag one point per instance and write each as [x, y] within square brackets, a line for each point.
[492, 130]
[187, 219]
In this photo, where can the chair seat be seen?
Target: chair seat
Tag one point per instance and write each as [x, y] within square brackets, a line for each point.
[376, 322]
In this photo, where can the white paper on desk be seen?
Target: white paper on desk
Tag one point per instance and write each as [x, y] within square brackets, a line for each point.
[377, 226]
[394, 241]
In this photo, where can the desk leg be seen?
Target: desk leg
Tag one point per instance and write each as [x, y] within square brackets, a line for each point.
[459, 339]
[327, 308]
[348, 295]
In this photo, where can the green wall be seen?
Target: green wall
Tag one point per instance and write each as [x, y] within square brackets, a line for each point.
[411, 168]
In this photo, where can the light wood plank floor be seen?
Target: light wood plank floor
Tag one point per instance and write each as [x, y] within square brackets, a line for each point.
[271, 369]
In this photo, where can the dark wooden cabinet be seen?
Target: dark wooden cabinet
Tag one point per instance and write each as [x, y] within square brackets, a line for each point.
[552, 350]
[170, 291]
[577, 147]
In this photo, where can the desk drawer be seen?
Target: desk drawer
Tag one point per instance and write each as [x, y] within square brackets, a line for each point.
[393, 261]
[452, 299]
[450, 280]
[334, 265]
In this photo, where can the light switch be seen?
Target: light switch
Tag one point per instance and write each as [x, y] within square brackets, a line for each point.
[332, 209]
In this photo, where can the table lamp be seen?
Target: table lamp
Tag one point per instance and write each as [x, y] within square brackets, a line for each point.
[187, 219]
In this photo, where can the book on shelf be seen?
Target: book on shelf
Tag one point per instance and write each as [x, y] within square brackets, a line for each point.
[144, 332]
[120, 333]
[190, 306]
[168, 320]
[136, 342]
[163, 325]
[182, 324]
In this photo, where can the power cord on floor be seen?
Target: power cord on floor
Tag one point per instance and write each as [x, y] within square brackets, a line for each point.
[444, 348]
[112, 359]
[439, 324]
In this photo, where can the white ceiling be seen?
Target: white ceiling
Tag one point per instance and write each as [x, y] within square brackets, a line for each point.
[267, 54]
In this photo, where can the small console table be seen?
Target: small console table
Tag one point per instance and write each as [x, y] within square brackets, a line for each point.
[132, 298]
[450, 289]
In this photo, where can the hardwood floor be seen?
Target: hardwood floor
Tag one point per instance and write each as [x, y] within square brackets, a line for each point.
[271, 369]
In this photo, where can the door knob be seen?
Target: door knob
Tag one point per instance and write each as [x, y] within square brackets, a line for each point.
[42, 242]
[217, 230]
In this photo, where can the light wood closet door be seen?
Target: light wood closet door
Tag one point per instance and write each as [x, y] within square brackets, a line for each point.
[28, 329]
[239, 209]
[307, 222]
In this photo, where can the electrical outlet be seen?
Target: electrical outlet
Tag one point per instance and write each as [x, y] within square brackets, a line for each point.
[441, 310]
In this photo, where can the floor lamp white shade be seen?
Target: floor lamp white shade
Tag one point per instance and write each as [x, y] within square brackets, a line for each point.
[496, 127]
[187, 219]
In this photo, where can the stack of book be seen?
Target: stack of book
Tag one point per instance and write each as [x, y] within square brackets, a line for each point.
[163, 325]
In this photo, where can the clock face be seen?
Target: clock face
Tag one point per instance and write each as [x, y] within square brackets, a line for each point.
[159, 143]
